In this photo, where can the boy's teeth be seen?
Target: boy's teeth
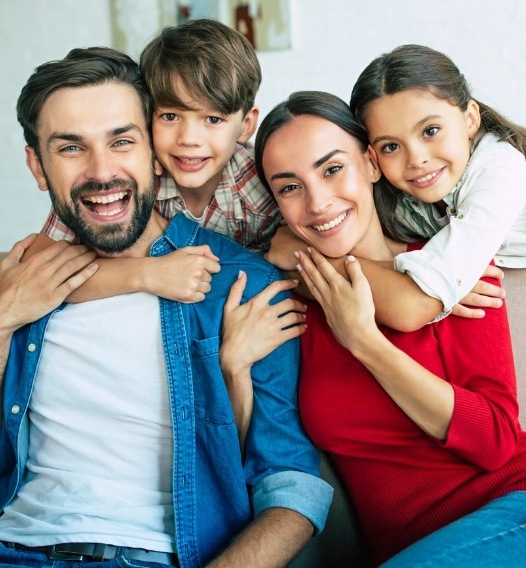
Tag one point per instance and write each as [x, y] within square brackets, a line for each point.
[330, 224]
[191, 161]
[107, 198]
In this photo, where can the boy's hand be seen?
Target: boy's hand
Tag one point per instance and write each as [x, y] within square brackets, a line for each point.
[282, 248]
[33, 288]
[183, 275]
[483, 295]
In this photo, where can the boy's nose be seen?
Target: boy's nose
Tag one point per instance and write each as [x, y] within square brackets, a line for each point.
[188, 134]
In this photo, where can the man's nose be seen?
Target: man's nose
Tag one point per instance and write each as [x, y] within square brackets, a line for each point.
[102, 166]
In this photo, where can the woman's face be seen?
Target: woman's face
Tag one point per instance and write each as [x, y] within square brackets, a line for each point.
[322, 182]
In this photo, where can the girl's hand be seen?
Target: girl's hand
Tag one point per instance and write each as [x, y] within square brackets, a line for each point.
[250, 332]
[183, 275]
[282, 248]
[483, 295]
[348, 306]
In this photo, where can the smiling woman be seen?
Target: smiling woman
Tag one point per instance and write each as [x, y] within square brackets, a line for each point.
[422, 426]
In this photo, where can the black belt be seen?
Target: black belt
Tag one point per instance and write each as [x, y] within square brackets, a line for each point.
[79, 551]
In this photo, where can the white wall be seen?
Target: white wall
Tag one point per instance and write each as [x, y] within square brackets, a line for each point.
[331, 46]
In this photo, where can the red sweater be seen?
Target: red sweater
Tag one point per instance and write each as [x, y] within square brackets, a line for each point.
[404, 483]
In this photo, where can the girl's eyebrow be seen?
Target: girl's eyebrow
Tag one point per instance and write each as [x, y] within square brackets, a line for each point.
[315, 165]
[415, 127]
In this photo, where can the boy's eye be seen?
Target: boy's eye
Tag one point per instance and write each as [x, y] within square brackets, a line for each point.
[389, 148]
[430, 131]
[169, 116]
[214, 120]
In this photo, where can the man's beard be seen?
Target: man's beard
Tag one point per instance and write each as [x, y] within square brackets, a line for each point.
[111, 238]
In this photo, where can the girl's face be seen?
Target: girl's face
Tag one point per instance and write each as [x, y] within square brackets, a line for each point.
[322, 182]
[422, 142]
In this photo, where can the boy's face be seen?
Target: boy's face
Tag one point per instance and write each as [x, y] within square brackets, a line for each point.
[195, 145]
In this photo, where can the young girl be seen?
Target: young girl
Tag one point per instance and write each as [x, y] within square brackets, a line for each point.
[454, 170]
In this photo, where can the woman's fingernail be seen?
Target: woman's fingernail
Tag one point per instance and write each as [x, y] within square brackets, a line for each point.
[299, 267]
[351, 258]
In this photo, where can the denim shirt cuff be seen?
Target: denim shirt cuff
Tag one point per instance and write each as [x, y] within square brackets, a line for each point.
[304, 493]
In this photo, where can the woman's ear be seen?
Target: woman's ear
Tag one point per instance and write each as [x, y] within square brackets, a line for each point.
[249, 125]
[372, 158]
[472, 115]
[33, 163]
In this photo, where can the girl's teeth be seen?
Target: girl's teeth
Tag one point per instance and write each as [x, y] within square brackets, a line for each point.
[427, 178]
[330, 224]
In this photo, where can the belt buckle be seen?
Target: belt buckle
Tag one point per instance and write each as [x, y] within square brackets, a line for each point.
[54, 554]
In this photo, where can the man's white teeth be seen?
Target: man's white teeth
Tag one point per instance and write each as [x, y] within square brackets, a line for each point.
[427, 178]
[110, 213]
[330, 224]
[107, 198]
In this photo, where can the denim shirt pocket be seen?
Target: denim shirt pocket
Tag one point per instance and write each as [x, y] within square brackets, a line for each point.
[211, 400]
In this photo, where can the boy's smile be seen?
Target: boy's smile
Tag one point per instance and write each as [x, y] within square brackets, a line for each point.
[194, 146]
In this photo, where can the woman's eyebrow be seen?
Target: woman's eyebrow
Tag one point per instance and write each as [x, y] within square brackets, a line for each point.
[328, 156]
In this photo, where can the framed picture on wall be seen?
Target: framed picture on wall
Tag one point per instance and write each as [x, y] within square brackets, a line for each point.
[265, 23]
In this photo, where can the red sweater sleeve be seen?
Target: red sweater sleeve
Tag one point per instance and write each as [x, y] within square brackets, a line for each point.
[484, 427]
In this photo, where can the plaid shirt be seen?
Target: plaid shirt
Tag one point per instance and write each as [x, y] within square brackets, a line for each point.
[241, 208]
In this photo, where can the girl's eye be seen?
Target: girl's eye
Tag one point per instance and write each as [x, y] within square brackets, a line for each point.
[169, 116]
[214, 120]
[389, 148]
[430, 131]
[332, 170]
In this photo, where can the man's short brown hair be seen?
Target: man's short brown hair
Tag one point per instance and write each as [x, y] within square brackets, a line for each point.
[215, 65]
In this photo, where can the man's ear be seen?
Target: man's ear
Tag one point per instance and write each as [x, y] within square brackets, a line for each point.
[375, 172]
[249, 125]
[33, 163]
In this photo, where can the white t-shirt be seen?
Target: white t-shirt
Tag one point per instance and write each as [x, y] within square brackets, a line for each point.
[101, 439]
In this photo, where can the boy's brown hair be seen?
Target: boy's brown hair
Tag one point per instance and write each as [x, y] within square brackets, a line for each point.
[216, 65]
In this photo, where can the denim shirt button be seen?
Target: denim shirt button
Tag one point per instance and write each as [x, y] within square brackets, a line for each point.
[15, 409]
[31, 347]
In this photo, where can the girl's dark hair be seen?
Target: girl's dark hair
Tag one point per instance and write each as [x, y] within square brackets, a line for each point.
[419, 67]
[314, 103]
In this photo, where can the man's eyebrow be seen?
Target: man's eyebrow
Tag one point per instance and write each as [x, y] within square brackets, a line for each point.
[124, 129]
[315, 165]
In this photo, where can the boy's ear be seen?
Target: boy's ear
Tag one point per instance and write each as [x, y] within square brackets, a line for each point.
[33, 163]
[249, 125]
[472, 115]
[370, 155]
[157, 167]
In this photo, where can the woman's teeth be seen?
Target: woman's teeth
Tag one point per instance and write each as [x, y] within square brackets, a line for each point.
[331, 224]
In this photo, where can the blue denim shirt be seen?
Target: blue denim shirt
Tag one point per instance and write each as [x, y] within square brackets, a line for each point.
[215, 492]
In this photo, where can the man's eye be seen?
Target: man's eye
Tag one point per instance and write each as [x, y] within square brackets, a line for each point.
[70, 148]
[122, 143]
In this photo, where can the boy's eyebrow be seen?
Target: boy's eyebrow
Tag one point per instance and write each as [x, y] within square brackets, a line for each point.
[415, 127]
[70, 137]
[315, 165]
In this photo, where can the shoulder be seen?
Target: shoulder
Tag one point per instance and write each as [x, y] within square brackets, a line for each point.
[492, 150]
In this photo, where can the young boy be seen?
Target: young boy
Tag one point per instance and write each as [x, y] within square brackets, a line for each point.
[203, 77]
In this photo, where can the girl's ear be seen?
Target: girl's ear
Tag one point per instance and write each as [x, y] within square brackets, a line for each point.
[249, 125]
[33, 163]
[472, 115]
[375, 172]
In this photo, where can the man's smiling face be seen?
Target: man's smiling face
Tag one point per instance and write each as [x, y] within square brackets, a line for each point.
[97, 163]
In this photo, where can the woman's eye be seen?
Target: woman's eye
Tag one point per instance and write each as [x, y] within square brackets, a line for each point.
[214, 119]
[332, 170]
[287, 188]
[431, 131]
[389, 148]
